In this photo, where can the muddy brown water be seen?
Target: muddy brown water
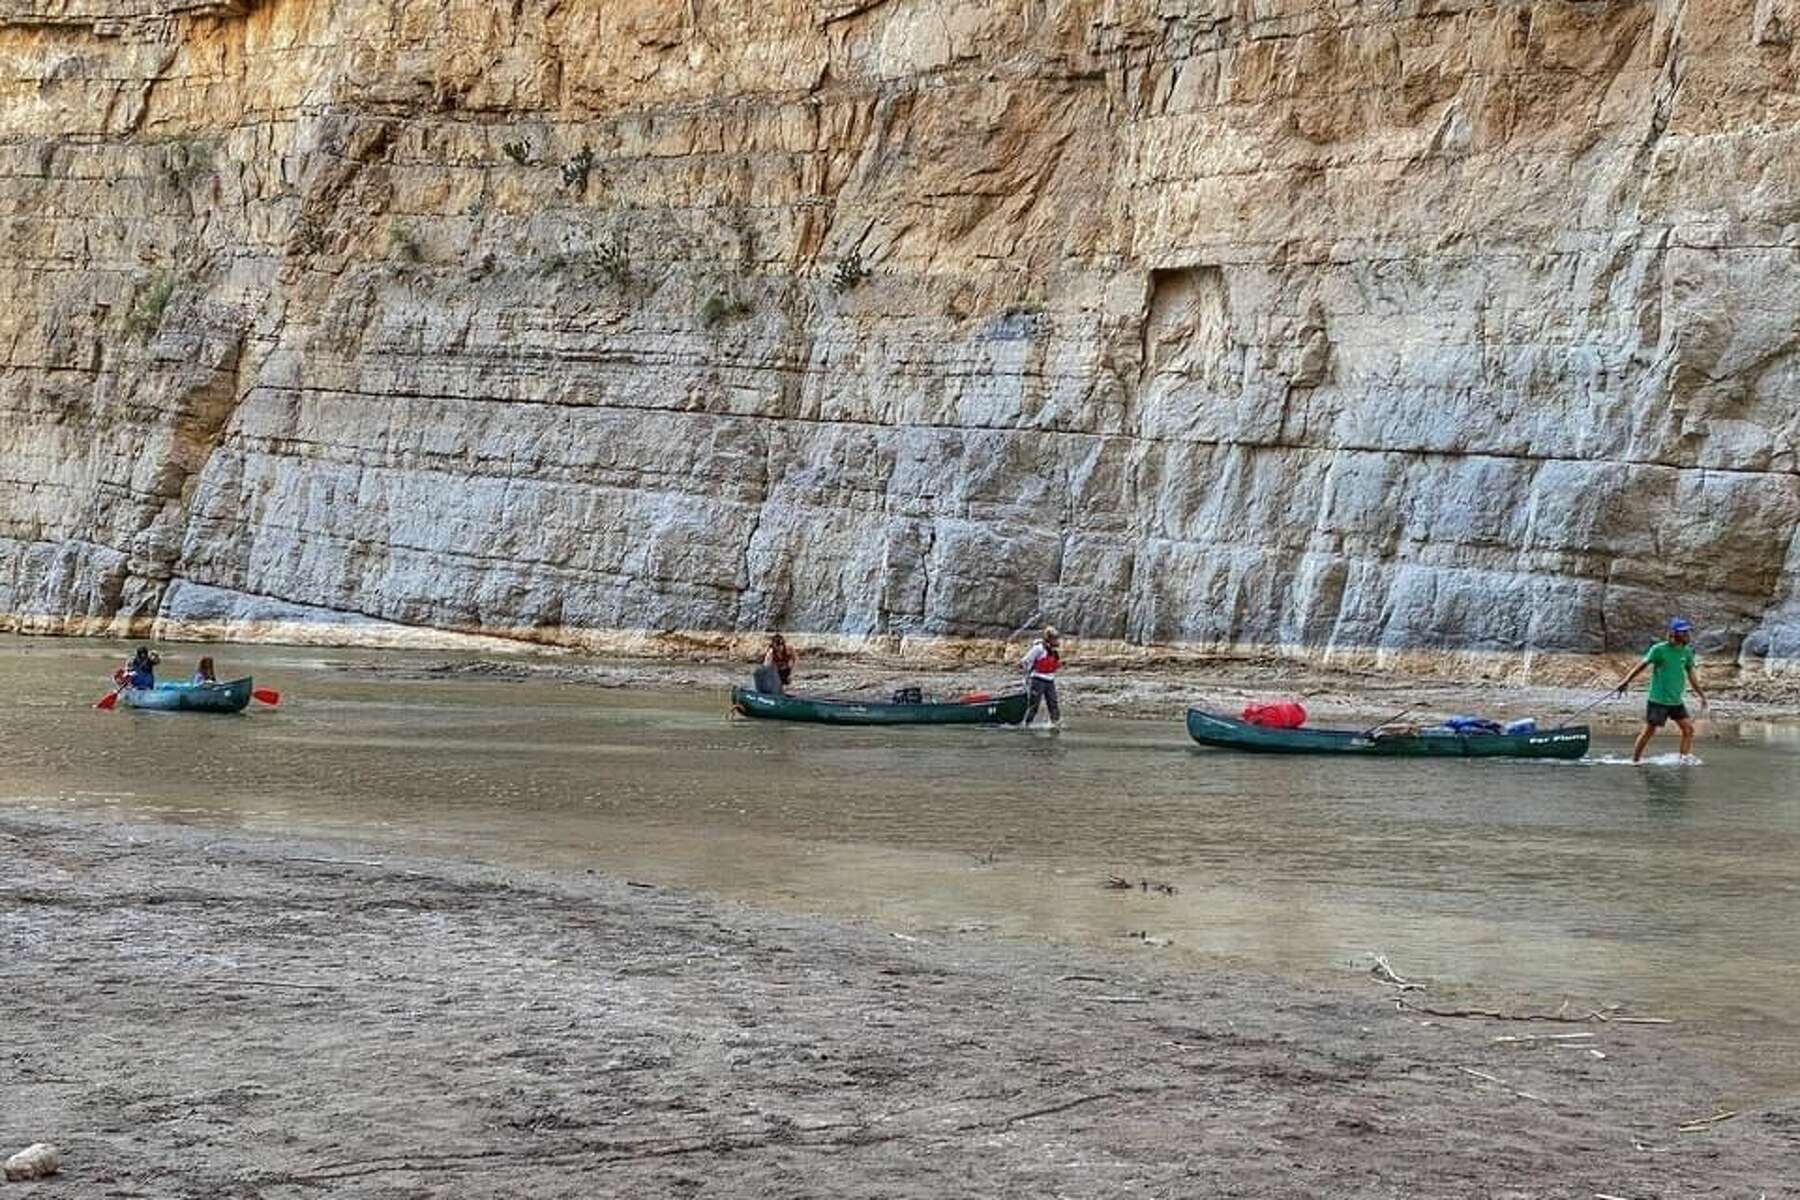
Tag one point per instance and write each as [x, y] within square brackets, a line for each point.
[1671, 889]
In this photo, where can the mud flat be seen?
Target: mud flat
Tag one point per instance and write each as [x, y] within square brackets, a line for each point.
[197, 1014]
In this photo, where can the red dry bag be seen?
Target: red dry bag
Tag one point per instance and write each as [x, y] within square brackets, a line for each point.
[1286, 715]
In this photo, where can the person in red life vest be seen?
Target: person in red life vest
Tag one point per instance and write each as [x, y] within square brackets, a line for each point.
[1041, 663]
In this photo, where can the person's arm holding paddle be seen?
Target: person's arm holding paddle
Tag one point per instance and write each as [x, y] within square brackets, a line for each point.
[1625, 683]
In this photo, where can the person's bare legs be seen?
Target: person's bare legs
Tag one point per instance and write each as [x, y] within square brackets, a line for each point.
[1643, 739]
[1687, 737]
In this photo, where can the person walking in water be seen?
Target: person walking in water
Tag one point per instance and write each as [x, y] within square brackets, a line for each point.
[1041, 663]
[1671, 663]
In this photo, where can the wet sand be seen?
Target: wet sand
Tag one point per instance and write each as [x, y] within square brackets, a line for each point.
[197, 1014]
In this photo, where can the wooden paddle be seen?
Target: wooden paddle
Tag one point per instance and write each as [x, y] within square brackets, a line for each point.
[267, 695]
[1377, 725]
[1596, 704]
[108, 702]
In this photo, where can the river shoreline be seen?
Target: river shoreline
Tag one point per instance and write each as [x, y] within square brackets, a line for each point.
[1101, 679]
[204, 1013]
[1148, 691]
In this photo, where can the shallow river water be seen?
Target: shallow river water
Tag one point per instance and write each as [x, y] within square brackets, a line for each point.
[1674, 890]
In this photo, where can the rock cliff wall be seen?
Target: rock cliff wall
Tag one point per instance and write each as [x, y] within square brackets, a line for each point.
[1429, 325]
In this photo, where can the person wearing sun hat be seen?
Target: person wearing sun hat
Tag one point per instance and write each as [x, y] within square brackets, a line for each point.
[1671, 663]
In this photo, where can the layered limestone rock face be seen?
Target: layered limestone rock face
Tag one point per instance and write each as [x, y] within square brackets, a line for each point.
[1349, 329]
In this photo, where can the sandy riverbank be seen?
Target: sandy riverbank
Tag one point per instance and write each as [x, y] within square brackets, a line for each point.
[196, 1014]
[1153, 691]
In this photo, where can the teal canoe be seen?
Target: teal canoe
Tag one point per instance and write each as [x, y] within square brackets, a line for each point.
[999, 710]
[1227, 733]
[190, 697]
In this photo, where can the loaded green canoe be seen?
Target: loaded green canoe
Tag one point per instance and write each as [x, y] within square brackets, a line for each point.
[1227, 733]
[190, 697]
[997, 710]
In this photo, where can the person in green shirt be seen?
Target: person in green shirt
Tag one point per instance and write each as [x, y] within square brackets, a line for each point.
[1671, 663]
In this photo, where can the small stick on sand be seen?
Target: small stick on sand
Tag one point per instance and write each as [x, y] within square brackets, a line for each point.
[1015, 1118]
[1082, 979]
[1054, 1108]
[274, 983]
[1401, 1003]
[1707, 1122]
[1519, 1092]
[1487, 1013]
[1385, 973]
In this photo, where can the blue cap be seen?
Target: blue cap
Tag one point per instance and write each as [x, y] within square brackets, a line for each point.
[1679, 625]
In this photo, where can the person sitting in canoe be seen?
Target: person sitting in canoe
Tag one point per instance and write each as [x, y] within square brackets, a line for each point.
[781, 657]
[141, 671]
[204, 673]
[1041, 663]
[1671, 663]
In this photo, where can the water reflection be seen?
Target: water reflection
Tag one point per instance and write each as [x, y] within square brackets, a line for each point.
[1667, 787]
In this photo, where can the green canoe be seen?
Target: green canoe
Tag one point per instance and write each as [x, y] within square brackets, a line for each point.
[1000, 710]
[190, 697]
[1229, 734]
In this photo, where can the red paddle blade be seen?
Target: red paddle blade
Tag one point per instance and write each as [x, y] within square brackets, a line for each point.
[107, 701]
[266, 695]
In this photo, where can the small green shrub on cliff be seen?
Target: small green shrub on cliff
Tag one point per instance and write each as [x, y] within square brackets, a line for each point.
[146, 314]
[184, 160]
[745, 232]
[402, 243]
[722, 306]
[613, 260]
[849, 272]
[519, 152]
[575, 171]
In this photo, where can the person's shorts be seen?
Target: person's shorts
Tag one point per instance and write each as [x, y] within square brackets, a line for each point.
[1655, 714]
